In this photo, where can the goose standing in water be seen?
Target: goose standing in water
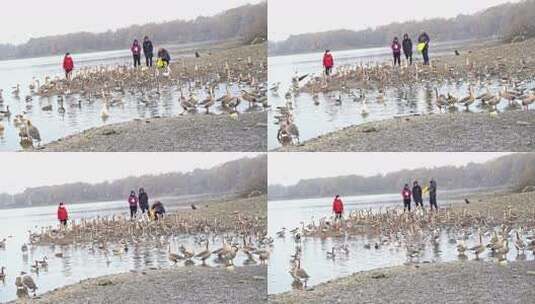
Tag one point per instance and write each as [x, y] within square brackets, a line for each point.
[33, 133]
[104, 113]
[204, 255]
[3, 273]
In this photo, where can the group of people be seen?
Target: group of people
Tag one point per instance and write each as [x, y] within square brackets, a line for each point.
[406, 46]
[162, 61]
[141, 201]
[163, 57]
[416, 194]
[154, 212]
[409, 195]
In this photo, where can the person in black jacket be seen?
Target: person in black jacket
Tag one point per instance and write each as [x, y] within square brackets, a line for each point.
[148, 50]
[417, 194]
[433, 195]
[143, 199]
[407, 48]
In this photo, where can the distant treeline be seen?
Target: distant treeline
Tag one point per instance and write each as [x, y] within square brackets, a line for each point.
[517, 171]
[244, 176]
[247, 22]
[510, 21]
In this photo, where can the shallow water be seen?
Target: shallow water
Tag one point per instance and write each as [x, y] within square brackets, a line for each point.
[79, 262]
[290, 214]
[315, 120]
[54, 125]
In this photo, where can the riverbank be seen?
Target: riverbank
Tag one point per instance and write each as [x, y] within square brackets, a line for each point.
[457, 282]
[180, 285]
[511, 131]
[191, 133]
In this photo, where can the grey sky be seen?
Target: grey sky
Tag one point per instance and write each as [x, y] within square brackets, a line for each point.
[304, 16]
[23, 19]
[24, 170]
[289, 168]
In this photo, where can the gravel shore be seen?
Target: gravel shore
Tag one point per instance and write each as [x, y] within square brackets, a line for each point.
[468, 282]
[512, 131]
[191, 133]
[182, 285]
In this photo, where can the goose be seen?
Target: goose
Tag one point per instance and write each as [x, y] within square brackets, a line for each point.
[468, 100]
[263, 255]
[461, 247]
[520, 245]
[441, 99]
[29, 283]
[204, 255]
[364, 110]
[300, 273]
[3, 273]
[526, 101]
[43, 263]
[478, 249]
[173, 257]
[22, 290]
[2, 128]
[6, 112]
[330, 254]
[16, 90]
[209, 101]
[33, 133]
[104, 114]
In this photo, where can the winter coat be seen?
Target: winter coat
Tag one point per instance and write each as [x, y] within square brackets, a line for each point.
[407, 46]
[144, 200]
[417, 193]
[406, 193]
[148, 49]
[423, 38]
[68, 63]
[136, 49]
[338, 205]
[132, 201]
[63, 214]
[396, 47]
[328, 61]
[164, 55]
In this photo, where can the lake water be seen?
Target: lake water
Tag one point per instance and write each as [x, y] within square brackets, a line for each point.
[315, 120]
[54, 125]
[79, 263]
[291, 213]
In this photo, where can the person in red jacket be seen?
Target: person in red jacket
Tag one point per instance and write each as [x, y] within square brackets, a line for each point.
[68, 65]
[406, 194]
[63, 214]
[328, 62]
[136, 53]
[396, 51]
[132, 202]
[338, 207]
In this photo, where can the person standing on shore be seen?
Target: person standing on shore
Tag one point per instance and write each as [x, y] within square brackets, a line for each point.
[407, 48]
[396, 51]
[423, 46]
[63, 214]
[68, 66]
[143, 200]
[132, 202]
[417, 194]
[136, 53]
[328, 62]
[338, 208]
[148, 51]
[406, 194]
[433, 195]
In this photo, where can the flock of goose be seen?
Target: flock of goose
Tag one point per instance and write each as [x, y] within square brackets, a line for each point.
[486, 231]
[115, 235]
[492, 76]
[112, 86]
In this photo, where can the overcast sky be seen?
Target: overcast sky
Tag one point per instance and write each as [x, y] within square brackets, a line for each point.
[288, 17]
[24, 170]
[290, 168]
[24, 19]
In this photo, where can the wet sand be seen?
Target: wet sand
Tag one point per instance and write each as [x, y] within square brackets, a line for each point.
[458, 282]
[207, 133]
[512, 131]
[181, 285]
